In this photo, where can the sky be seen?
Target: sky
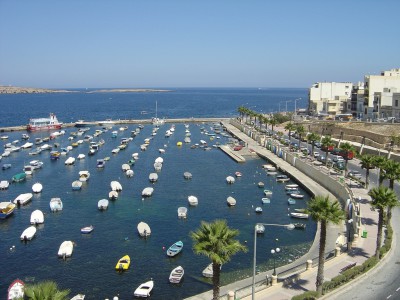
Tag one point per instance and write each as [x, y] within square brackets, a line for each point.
[219, 43]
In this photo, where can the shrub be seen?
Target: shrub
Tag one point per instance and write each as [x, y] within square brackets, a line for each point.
[310, 295]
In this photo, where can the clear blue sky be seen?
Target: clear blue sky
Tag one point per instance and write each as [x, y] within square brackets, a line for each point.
[218, 43]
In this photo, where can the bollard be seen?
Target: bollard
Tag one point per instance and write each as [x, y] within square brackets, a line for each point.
[231, 295]
[355, 239]
[309, 264]
[337, 251]
[274, 280]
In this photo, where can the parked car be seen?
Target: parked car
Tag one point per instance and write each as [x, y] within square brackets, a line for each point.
[337, 158]
[339, 165]
[237, 148]
[316, 154]
[336, 151]
[354, 174]
[317, 144]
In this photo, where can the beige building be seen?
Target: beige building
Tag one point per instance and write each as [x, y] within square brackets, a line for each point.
[386, 104]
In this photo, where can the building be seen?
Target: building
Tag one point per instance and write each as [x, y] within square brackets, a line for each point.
[386, 104]
[329, 98]
[356, 104]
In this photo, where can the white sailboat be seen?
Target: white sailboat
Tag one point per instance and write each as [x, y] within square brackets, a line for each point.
[157, 121]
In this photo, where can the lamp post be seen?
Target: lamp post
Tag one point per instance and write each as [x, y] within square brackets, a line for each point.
[273, 251]
[286, 104]
[287, 226]
[295, 108]
[350, 226]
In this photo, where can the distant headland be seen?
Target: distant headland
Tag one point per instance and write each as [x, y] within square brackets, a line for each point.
[128, 91]
[25, 90]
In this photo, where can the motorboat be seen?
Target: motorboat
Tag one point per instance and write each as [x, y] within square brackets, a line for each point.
[123, 263]
[268, 193]
[69, 161]
[81, 156]
[157, 166]
[115, 151]
[153, 177]
[269, 167]
[37, 217]
[259, 228]
[28, 233]
[16, 290]
[193, 201]
[299, 225]
[4, 184]
[84, 176]
[265, 200]
[113, 195]
[87, 229]
[102, 204]
[282, 178]
[261, 184]
[23, 199]
[291, 201]
[116, 186]
[19, 177]
[144, 290]
[182, 212]
[231, 201]
[230, 179]
[238, 174]
[147, 192]
[258, 209]
[208, 271]
[78, 297]
[299, 215]
[27, 145]
[144, 229]
[6, 209]
[56, 204]
[291, 186]
[66, 249]
[297, 196]
[28, 170]
[129, 173]
[176, 275]
[100, 163]
[76, 185]
[36, 164]
[126, 167]
[175, 249]
[187, 175]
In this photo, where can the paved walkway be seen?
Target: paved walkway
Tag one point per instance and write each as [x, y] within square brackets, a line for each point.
[362, 248]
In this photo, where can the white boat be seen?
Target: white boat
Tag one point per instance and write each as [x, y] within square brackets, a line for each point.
[102, 204]
[282, 178]
[28, 233]
[84, 176]
[261, 184]
[27, 145]
[260, 228]
[157, 166]
[115, 151]
[182, 212]
[187, 175]
[76, 185]
[37, 217]
[269, 167]
[208, 271]
[144, 229]
[56, 204]
[113, 195]
[291, 186]
[231, 201]
[16, 290]
[176, 275]
[4, 184]
[69, 161]
[153, 177]
[23, 199]
[299, 215]
[268, 193]
[28, 170]
[265, 200]
[36, 164]
[175, 249]
[78, 297]
[66, 249]
[100, 163]
[230, 179]
[159, 160]
[193, 200]
[258, 209]
[147, 192]
[125, 167]
[116, 186]
[297, 196]
[81, 156]
[87, 229]
[144, 290]
[135, 156]
[162, 151]
[129, 173]
[45, 147]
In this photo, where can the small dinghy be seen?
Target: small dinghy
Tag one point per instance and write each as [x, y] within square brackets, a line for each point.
[299, 226]
[56, 204]
[37, 187]
[16, 290]
[258, 210]
[231, 201]
[265, 200]
[147, 192]
[28, 233]
[193, 200]
[297, 196]
[37, 217]
[182, 212]
[126, 167]
[175, 249]
[116, 186]
[291, 186]
[123, 263]
[4, 184]
[187, 175]
[129, 173]
[260, 184]
[69, 161]
[87, 229]
[268, 193]
[81, 156]
[153, 177]
[102, 204]
[282, 178]
[66, 249]
[23, 199]
[113, 195]
[208, 271]
[76, 185]
[144, 229]
[176, 275]
[230, 179]
[260, 228]
[299, 215]
[84, 176]
[144, 290]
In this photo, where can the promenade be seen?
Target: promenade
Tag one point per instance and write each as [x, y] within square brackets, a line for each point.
[292, 279]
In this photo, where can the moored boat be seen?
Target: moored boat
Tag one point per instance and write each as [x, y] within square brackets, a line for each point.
[84, 176]
[153, 177]
[76, 185]
[299, 215]
[56, 204]
[144, 290]
[230, 179]
[66, 249]
[193, 200]
[291, 201]
[297, 196]
[268, 193]
[175, 249]
[87, 229]
[147, 192]
[187, 175]
[44, 123]
[258, 209]
[282, 178]
[113, 195]
[116, 186]
[182, 212]
[23, 199]
[6, 209]
[176, 274]
[231, 201]
[299, 225]
[265, 200]
[37, 217]
[261, 184]
[123, 263]
[144, 229]
[19, 177]
[259, 228]
[28, 233]
[102, 204]
[4, 184]
[208, 271]
[16, 290]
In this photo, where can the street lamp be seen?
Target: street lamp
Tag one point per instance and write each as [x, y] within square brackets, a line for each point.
[350, 226]
[286, 104]
[273, 251]
[288, 227]
[295, 102]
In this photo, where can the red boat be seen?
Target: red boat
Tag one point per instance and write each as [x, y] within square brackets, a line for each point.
[16, 290]
[44, 123]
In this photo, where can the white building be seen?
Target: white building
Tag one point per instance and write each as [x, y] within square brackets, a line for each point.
[329, 98]
[356, 105]
[386, 104]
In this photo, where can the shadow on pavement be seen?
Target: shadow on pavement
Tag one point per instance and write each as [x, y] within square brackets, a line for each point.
[294, 282]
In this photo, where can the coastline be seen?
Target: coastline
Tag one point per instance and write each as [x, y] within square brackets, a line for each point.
[28, 90]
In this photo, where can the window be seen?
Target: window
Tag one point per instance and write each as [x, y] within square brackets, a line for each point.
[396, 103]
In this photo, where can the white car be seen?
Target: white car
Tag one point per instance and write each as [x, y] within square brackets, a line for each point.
[355, 174]
[316, 154]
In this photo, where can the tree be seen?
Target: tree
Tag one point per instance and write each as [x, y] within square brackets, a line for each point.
[391, 171]
[46, 290]
[312, 138]
[323, 210]
[379, 162]
[367, 163]
[290, 127]
[217, 242]
[273, 122]
[300, 131]
[382, 198]
[346, 147]
[326, 143]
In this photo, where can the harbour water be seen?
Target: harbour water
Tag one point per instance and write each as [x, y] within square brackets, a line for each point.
[90, 270]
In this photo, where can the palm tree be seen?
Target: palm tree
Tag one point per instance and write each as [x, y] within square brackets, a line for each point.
[382, 198]
[300, 131]
[323, 210]
[379, 162]
[273, 122]
[346, 147]
[290, 127]
[241, 110]
[391, 171]
[326, 143]
[217, 242]
[367, 163]
[45, 290]
[312, 138]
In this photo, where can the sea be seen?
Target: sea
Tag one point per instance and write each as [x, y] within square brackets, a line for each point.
[91, 269]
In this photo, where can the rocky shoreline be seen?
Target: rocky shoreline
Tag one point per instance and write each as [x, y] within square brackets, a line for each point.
[25, 90]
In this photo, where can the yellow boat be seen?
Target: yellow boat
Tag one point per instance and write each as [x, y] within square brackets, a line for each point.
[123, 263]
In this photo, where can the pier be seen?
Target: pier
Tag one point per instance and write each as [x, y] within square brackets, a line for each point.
[235, 156]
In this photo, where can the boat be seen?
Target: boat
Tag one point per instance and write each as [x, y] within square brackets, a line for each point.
[36, 164]
[260, 228]
[291, 186]
[144, 229]
[157, 166]
[230, 179]
[16, 290]
[299, 225]
[282, 178]
[193, 200]
[175, 249]
[113, 195]
[261, 184]
[238, 174]
[129, 173]
[81, 156]
[55, 155]
[23, 199]
[6, 209]
[44, 123]
[176, 275]
[100, 163]
[37, 217]
[294, 191]
[182, 212]
[87, 229]
[4, 184]
[66, 249]
[82, 123]
[299, 215]
[265, 200]
[69, 161]
[116, 186]
[159, 160]
[147, 192]
[291, 201]
[102, 204]
[78, 297]
[258, 209]
[25, 136]
[115, 150]
[28, 233]
[208, 271]
[84, 175]
[297, 196]
[76, 185]
[28, 170]
[123, 263]
[27, 145]
[19, 177]
[125, 167]
[56, 204]
[153, 177]
[187, 175]
[144, 290]
[301, 210]
[231, 201]
[268, 193]
[157, 121]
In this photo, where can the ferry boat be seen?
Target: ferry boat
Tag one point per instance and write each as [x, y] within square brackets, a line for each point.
[44, 123]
